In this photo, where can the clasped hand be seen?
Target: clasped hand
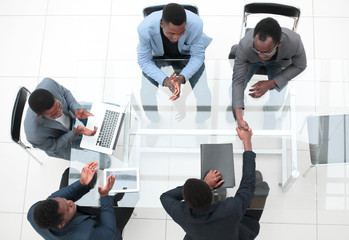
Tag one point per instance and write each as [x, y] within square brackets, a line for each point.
[174, 84]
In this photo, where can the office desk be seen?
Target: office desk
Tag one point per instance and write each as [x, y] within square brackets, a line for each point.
[203, 115]
[166, 149]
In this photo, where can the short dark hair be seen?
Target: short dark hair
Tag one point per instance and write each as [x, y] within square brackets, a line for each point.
[268, 27]
[46, 214]
[197, 194]
[41, 100]
[174, 13]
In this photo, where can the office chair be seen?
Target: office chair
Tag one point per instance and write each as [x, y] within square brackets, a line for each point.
[16, 121]
[328, 139]
[151, 9]
[265, 8]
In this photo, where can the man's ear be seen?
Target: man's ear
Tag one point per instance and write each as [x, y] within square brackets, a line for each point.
[280, 43]
[161, 24]
[38, 115]
[62, 224]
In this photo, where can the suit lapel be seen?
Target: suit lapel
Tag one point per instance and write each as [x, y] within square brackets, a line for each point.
[158, 42]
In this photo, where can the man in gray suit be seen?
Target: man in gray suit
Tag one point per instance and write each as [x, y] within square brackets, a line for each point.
[49, 120]
[279, 50]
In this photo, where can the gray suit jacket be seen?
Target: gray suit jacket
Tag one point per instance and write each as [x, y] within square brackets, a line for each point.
[290, 55]
[50, 135]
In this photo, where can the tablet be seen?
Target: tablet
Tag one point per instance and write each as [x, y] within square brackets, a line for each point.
[126, 179]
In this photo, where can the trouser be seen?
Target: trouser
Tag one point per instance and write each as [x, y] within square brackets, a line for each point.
[276, 98]
[200, 88]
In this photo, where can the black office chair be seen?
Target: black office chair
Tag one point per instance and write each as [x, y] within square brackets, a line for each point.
[16, 121]
[266, 8]
[151, 9]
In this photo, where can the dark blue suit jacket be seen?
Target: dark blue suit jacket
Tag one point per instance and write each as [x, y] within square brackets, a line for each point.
[224, 220]
[82, 227]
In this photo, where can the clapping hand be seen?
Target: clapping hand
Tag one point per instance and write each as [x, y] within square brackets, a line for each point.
[82, 113]
[104, 191]
[88, 172]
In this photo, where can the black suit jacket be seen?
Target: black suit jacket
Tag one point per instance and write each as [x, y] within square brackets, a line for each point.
[224, 220]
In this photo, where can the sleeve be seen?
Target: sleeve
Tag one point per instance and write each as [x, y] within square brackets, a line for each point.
[299, 63]
[244, 194]
[51, 144]
[170, 199]
[107, 228]
[145, 56]
[197, 51]
[239, 76]
[73, 192]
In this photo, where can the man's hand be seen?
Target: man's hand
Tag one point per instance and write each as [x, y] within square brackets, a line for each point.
[82, 113]
[213, 179]
[104, 191]
[177, 81]
[168, 82]
[85, 131]
[260, 88]
[245, 137]
[87, 173]
[174, 84]
[242, 124]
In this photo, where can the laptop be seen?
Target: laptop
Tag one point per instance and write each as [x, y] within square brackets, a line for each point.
[126, 179]
[108, 119]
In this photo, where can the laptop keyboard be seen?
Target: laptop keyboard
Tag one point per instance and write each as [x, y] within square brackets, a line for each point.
[108, 128]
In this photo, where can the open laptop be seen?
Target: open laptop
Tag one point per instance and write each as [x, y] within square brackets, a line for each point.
[126, 179]
[108, 119]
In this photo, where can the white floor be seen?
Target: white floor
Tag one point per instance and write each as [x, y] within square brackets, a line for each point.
[89, 46]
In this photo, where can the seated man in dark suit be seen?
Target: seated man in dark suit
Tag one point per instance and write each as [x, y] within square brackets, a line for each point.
[49, 120]
[201, 219]
[58, 217]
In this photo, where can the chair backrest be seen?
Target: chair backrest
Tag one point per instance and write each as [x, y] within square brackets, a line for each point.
[17, 113]
[328, 138]
[272, 8]
[148, 10]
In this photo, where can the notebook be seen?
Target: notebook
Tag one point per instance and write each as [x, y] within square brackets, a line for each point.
[218, 157]
[108, 119]
[126, 179]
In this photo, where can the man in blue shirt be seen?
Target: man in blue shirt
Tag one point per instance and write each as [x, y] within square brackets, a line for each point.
[172, 33]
